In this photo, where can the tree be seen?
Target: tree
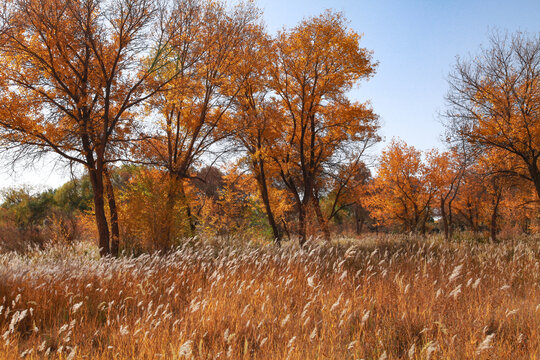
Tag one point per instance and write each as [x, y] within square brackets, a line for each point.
[257, 121]
[207, 43]
[494, 102]
[76, 72]
[312, 67]
[487, 195]
[234, 209]
[402, 191]
[495, 186]
[446, 171]
[348, 186]
[471, 201]
[28, 210]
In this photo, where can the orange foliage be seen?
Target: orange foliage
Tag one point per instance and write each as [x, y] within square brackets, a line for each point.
[401, 193]
[313, 67]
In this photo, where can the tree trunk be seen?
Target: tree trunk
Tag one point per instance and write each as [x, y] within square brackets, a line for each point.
[445, 221]
[360, 219]
[493, 226]
[535, 175]
[415, 221]
[360, 225]
[113, 211]
[167, 226]
[184, 204]
[424, 221]
[471, 218]
[323, 223]
[302, 224]
[176, 194]
[263, 188]
[96, 179]
[450, 220]
[286, 229]
[494, 216]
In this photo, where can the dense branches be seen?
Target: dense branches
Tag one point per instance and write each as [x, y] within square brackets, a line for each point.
[313, 66]
[78, 70]
[494, 103]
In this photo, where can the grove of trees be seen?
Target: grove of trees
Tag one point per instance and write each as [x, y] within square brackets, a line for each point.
[190, 119]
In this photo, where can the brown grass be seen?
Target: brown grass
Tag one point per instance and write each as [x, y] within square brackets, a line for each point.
[394, 298]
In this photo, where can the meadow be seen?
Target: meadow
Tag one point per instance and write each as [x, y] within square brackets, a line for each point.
[386, 297]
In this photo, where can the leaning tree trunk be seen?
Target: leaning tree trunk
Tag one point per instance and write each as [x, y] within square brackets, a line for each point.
[263, 188]
[450, 220]
[286, 229]
[445, 221]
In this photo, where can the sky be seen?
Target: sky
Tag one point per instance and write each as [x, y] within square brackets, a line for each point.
[415, 42]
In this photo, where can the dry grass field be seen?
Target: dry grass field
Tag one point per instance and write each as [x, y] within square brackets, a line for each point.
[377, 298]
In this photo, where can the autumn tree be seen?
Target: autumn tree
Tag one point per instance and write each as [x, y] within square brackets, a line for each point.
[496, 186]
[493, 102]
[348, 186]
[257, 120]
[470, 202]
[207, 40]
[402, 192]
[313, 65]
[484, 197]
[519, 213]
[233, 209]
[76, 72]
[446, 171]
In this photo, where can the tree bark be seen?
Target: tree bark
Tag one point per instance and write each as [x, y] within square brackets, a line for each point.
[176, 194]
[286, 229]
[445, 221]
[493, 226]
[450, 220]
[424, 221]
[113, 211]
[535, 176]
[169, 212]
[96, 179]
[360, 219]
[184, 204]
[263, 188]
[302, 224]
[494, 216]
[323, 223]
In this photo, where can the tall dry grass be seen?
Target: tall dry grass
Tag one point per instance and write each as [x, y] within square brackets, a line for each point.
[375, 299]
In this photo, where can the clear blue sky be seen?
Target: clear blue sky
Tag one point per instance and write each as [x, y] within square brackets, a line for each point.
[415, 42]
